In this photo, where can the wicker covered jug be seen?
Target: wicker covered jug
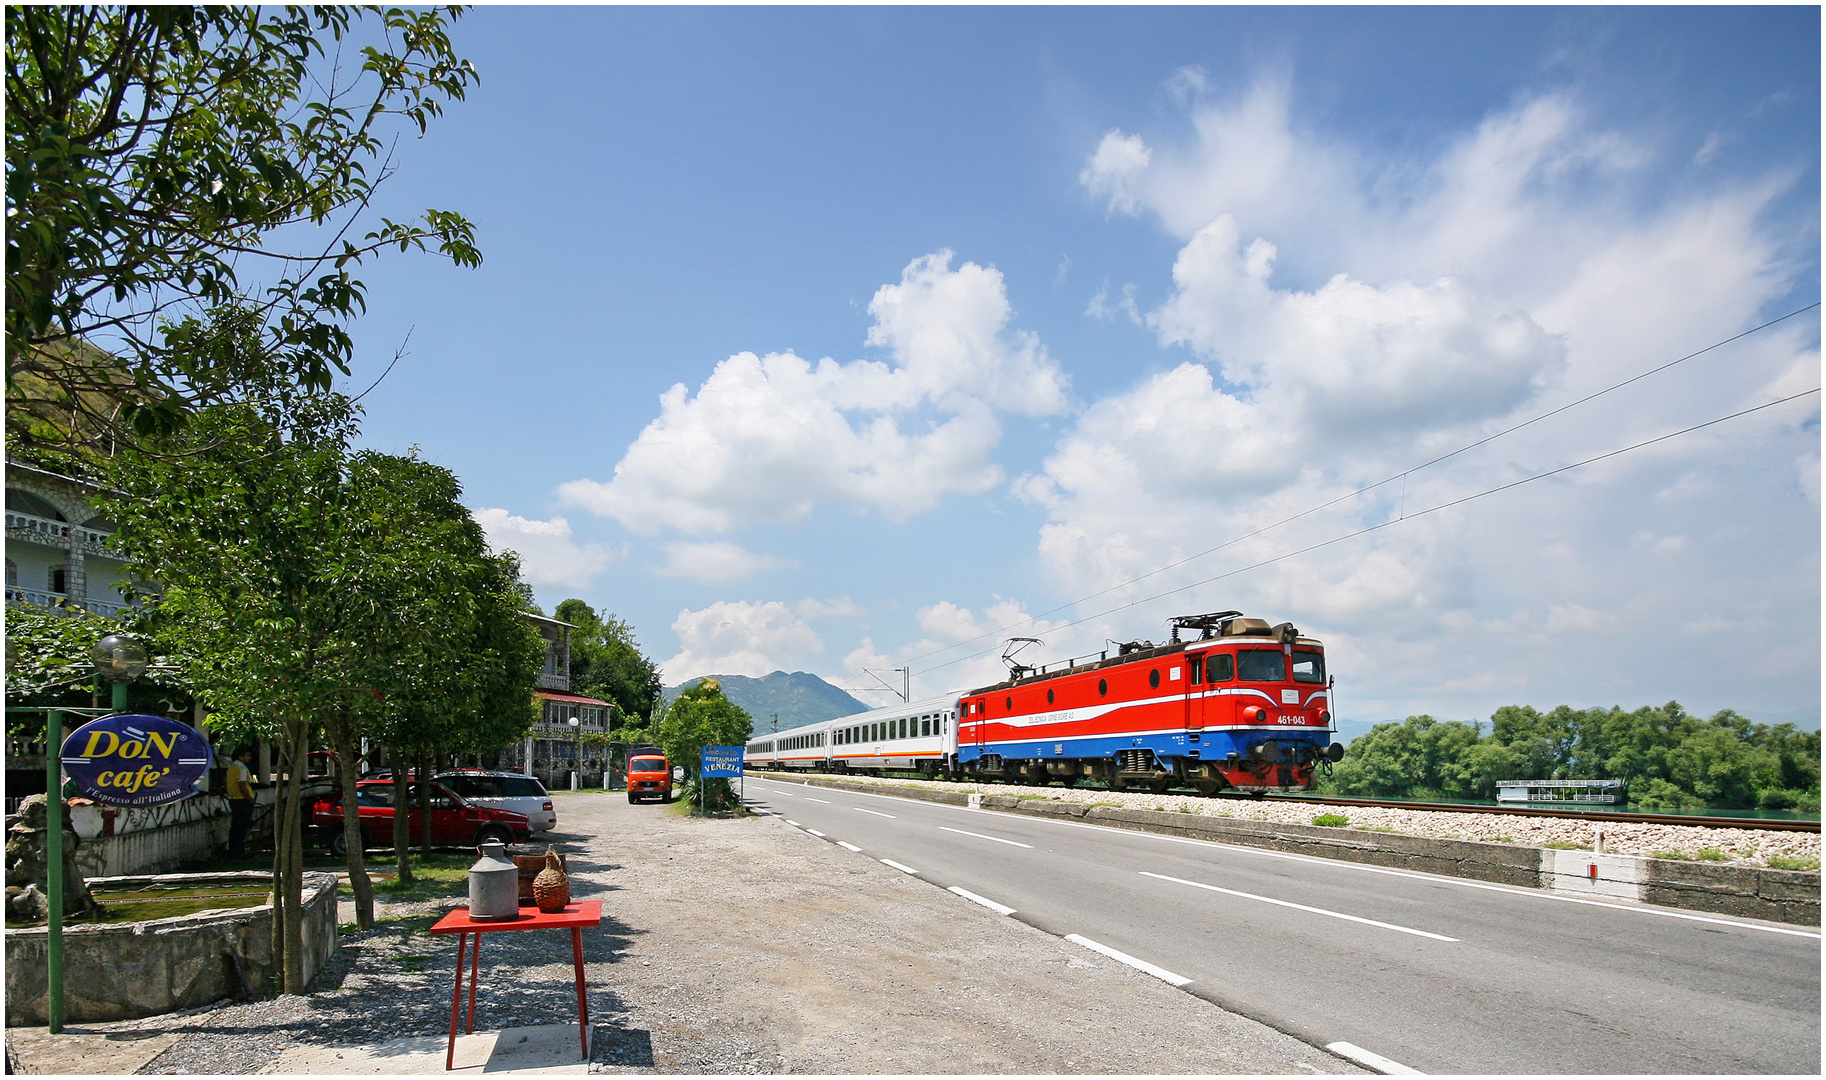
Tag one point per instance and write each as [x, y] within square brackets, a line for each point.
[551, 889]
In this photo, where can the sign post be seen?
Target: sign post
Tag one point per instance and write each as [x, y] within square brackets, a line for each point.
[53, 870]
[715, 762]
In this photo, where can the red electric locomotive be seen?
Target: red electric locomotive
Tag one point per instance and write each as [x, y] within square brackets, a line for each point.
[1244, 706]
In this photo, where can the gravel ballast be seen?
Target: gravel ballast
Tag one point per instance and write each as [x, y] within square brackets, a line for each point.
[1752, 847]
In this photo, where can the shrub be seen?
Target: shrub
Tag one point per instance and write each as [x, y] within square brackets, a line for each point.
[1334, 821]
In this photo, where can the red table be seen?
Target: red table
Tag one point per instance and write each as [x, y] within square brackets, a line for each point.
[574, 917]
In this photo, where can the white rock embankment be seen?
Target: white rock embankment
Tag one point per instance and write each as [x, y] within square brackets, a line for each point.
[1750, 847]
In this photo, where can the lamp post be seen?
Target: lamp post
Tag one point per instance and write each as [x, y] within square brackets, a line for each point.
[576, 753]
[119, 659]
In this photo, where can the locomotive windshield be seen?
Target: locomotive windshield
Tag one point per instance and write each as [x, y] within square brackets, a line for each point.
[1308, 666]
[1261, 665]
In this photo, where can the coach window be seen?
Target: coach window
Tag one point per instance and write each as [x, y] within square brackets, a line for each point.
[901, 726]
[925, 727]
[1220, 668]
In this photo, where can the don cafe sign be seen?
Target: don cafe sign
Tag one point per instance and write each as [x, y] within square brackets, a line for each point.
[136, 760]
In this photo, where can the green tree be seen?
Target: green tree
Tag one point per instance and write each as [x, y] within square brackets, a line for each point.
[700, 717]
[606, 661]
[303, 586]
[157, 159]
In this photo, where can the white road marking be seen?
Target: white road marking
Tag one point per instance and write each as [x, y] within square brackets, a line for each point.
[1538, 894]
[793, 823]
[999, 909]
[877, 813]
[852, 847]
[1301, 907]
[1121, 957]
[1371, 1061]
[826, 802]
[980, 836]
[815, 832]
[902, 867]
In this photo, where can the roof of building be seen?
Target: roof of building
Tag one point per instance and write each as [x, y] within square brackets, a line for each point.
[572, 699]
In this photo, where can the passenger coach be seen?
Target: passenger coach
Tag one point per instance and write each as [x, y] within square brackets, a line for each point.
[920, 737]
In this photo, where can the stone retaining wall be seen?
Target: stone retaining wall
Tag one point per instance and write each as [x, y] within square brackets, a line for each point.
[123, 971]
[1788, 896]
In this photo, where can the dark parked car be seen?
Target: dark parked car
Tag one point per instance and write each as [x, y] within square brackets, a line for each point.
[455, 822]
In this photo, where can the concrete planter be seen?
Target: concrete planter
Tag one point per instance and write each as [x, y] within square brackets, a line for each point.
[129, 970]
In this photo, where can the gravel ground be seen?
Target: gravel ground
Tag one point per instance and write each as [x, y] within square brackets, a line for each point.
[744, 946]
[1745, 846]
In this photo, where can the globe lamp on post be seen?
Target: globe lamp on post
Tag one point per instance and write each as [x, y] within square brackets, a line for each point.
[576, 752]
[120, 659]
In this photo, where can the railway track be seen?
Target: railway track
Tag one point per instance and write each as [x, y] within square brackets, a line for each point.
[1769, 824]
[1699, 820]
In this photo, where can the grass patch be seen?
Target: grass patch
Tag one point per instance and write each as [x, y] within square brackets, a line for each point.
[1566, 845]
[1680, 856]
[1374, 828]
[1791, 862]
[1711, 854]
[1503, 840]
[1331, 821]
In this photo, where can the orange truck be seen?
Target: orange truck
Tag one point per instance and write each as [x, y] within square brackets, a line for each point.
[649, 775]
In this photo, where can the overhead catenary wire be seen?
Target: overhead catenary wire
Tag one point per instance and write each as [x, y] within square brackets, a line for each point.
[1402, 476]
[1398, 521]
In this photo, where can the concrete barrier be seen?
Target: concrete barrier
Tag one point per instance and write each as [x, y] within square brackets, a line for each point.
[122, 971]
[1787, 896]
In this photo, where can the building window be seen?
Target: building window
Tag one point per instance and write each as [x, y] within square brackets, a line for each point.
[12, 574]
[56, 579]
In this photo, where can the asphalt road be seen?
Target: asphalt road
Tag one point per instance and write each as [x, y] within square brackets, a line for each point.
[1436, 974]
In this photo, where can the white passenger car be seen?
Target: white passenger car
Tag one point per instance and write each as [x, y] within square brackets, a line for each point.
[507, 791]
[920, 737]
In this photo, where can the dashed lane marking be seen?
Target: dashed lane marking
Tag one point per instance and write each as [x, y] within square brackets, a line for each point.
[1121, 957]
[815, 833]
[902, 867]
[1301, 907]
[877, 813]
[981, 836]
[851, 847]
[1371, 1060]
[999, 909]
[793, 823]
[826, 802]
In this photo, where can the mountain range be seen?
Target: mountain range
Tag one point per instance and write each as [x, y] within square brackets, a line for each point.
[797, 698]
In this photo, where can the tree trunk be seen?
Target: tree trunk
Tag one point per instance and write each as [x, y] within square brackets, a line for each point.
[402, 817]
[425, 759]
[343, 739]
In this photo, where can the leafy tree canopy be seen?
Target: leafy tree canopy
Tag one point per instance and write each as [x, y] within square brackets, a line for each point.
[606, 661]
[1666, 757]
[156, 156]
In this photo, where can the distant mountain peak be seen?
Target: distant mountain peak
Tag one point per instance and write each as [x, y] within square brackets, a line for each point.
[796, 698]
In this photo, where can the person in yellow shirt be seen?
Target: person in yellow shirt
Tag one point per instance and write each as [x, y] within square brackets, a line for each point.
[240, 801]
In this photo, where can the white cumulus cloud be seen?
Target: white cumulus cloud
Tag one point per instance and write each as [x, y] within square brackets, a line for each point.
[549, 558]
[740, 637]
[769, 438]
[716, 562]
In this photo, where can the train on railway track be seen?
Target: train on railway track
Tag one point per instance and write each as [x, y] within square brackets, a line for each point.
[1229, 703]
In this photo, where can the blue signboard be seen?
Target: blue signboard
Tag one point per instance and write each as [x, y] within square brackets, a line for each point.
[136, 760]
[722, 761]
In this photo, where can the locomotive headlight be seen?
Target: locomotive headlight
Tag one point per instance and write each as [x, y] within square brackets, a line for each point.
[1324, 716]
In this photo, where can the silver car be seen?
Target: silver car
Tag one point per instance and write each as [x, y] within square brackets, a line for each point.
[506, 790]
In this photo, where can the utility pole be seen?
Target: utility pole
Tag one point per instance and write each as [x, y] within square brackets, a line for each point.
[775, 730]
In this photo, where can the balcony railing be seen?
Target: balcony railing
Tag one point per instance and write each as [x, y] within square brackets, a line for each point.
[57, 601]
[58, 533]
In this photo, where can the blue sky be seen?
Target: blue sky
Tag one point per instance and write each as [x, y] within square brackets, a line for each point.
[831, 339]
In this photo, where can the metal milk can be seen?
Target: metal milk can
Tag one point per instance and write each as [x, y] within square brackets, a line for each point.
[494, 884]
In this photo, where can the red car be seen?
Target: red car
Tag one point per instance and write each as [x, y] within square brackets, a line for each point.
[455, 822]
